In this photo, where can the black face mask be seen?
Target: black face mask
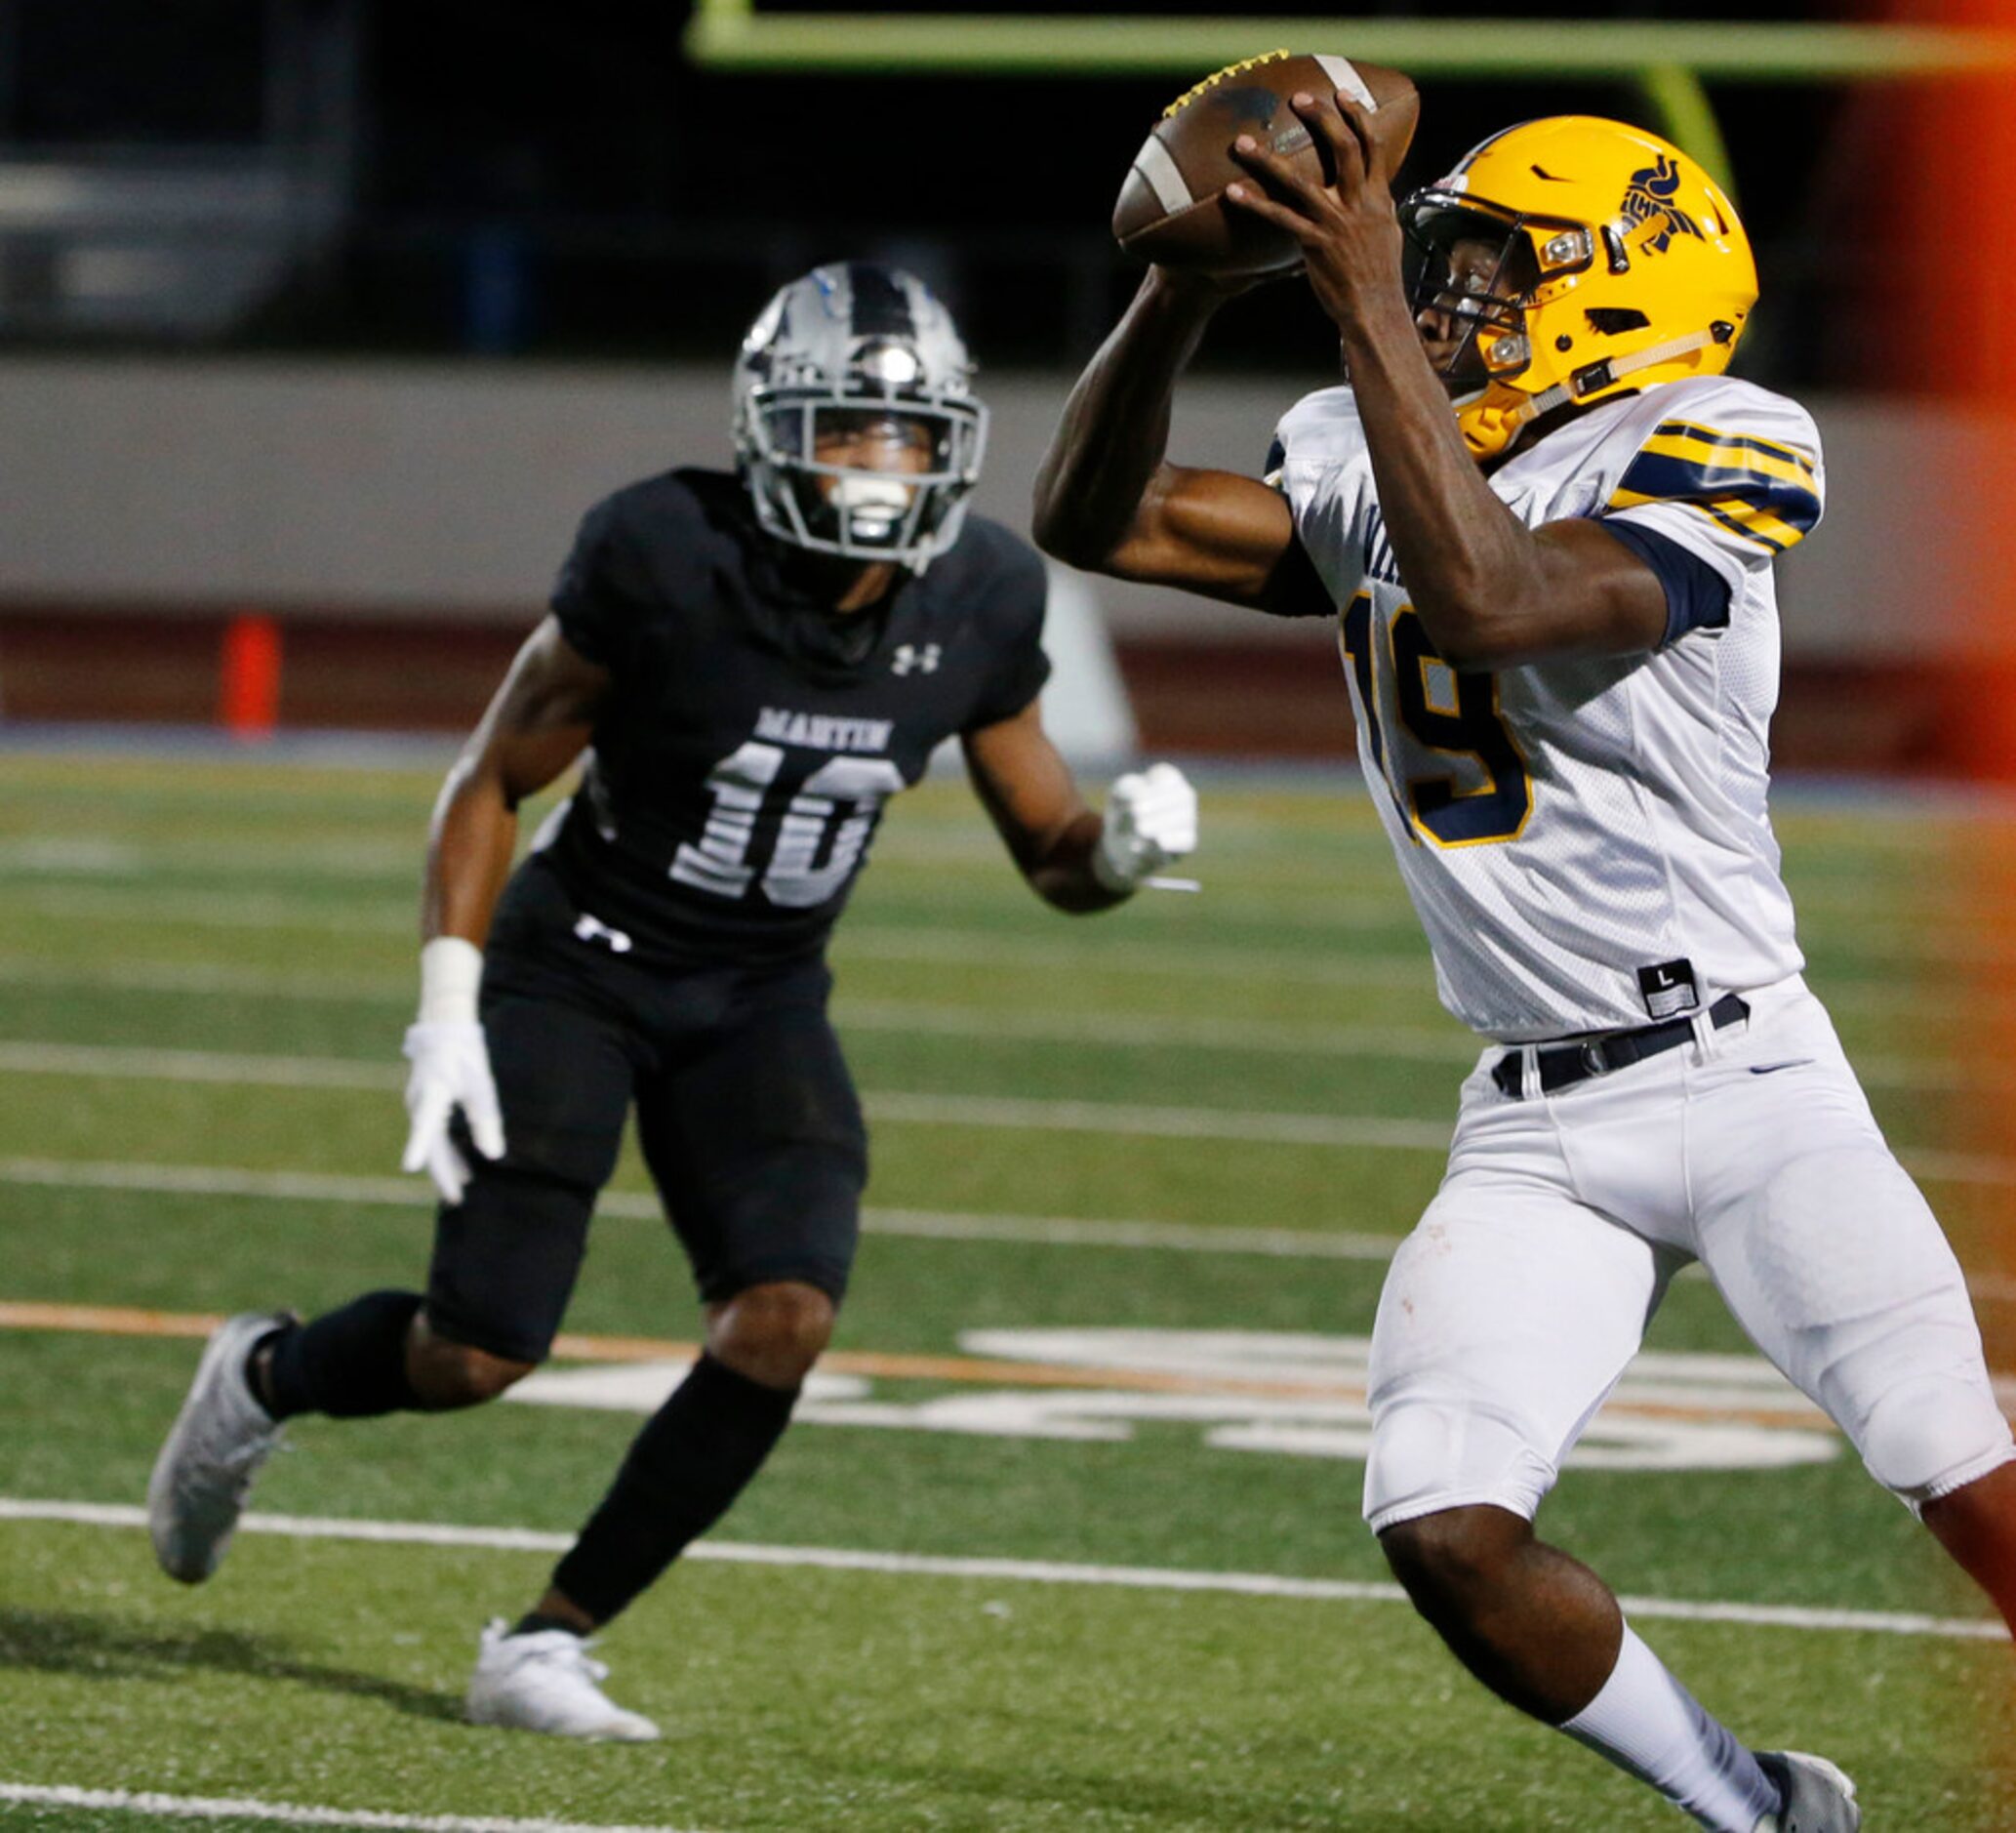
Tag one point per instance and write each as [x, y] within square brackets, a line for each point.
[1484, 294]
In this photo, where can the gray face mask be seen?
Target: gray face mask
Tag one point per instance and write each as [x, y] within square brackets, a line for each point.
[853, 340]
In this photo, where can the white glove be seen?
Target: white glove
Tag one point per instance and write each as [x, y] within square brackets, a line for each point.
[1151, 819]
[451, 1067]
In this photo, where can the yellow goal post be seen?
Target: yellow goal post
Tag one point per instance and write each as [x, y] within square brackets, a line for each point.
[1670, 64]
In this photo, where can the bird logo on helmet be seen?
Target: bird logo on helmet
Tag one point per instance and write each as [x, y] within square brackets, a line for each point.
[841, 350]
[1651, 196]
[1572, 258]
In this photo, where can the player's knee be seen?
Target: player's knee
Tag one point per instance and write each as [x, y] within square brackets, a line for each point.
[1431, 1455]
[1980, 1511]
[772, 1334]
[1451, 1562]
[447, 1375]
[1926, 1436]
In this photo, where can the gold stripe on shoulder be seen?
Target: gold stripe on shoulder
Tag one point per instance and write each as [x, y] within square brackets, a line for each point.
[1733, 514]
[1758, 521]
[1696, 449]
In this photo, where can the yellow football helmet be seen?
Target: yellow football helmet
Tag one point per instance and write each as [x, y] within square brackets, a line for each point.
[1571, 258]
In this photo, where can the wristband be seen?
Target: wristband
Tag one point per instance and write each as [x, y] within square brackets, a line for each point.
[451, 970]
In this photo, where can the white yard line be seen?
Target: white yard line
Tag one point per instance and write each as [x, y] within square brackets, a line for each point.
[1364, 1132]
[287, 1813]
[1157, 1122]
[211, 1180]
[1309, 963]
[1309, 898]
[24, 1057]
[1439, 1043]
[259, 983]
[216, 910]
[866, 939]
[21, 1057]
[121, 857]
[1039, 1231]
[1015, 1571]
[1414, 1044]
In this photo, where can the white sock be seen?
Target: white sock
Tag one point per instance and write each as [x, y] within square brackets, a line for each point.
[1651, 1725]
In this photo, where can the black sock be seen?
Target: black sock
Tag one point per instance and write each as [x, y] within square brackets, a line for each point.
[349, 1364]
[532, 1623]
[683, 1470]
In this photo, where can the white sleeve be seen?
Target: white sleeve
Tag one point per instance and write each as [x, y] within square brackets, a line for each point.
[1733, 475]
[1321, 463]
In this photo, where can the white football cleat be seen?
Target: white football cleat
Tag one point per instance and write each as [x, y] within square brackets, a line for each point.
[544, 1681]
[219, 1440]
[1818, 1797]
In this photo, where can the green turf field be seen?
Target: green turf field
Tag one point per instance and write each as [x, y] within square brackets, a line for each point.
[1153, 1157]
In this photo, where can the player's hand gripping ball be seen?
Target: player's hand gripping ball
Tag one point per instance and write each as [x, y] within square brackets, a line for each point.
[1172, 208]
[1151, 819]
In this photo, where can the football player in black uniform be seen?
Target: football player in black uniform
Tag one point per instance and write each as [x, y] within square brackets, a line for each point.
[755, 662]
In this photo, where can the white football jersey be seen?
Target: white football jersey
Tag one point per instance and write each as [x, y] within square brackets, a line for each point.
[1586, 842]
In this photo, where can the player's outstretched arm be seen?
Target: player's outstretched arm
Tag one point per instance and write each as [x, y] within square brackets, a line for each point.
[1107, 500]
[537, 724]
[1073, 857]
[1488, 590]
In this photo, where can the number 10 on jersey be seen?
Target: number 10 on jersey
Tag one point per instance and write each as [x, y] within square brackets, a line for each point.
[795, 878]
[1427, 798]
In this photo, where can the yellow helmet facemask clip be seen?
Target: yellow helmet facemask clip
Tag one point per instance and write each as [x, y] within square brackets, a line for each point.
[1497, 414]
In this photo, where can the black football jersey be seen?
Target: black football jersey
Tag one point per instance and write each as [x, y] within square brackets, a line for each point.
[750, 738]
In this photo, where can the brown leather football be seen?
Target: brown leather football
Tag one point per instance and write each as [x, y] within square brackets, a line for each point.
[1172, 209]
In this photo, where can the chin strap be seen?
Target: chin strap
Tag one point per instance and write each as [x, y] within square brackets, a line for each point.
[1489, 429]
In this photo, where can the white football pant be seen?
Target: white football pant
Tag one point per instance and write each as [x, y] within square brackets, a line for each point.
[1513, 1308]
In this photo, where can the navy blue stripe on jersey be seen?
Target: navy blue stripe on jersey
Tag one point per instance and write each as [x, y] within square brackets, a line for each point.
[1697, 597]
[882, 308]
[1749, 441]
[1711, 487]
[1276, 456]
[1721, 513]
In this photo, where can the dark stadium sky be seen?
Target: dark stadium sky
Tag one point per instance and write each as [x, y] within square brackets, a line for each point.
[614, 201]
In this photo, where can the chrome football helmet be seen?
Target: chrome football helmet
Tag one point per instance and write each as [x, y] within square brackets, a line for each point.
[858, 358]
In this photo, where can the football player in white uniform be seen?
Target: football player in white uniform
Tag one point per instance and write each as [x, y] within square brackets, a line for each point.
[1559, 628]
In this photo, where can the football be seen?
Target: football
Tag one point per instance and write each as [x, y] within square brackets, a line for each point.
[1172, 209]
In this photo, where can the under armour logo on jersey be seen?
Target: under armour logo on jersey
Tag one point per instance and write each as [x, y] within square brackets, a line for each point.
[593, 928]
[909, 657]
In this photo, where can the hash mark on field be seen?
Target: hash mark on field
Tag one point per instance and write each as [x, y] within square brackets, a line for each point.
[1027, 1571]
[290, 1813]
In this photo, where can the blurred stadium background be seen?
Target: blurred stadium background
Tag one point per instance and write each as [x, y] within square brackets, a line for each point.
[337, 312]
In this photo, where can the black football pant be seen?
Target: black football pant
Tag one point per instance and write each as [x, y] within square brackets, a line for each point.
[749, 1122]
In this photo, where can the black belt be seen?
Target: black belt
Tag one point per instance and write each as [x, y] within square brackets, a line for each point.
[1562, 1064]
